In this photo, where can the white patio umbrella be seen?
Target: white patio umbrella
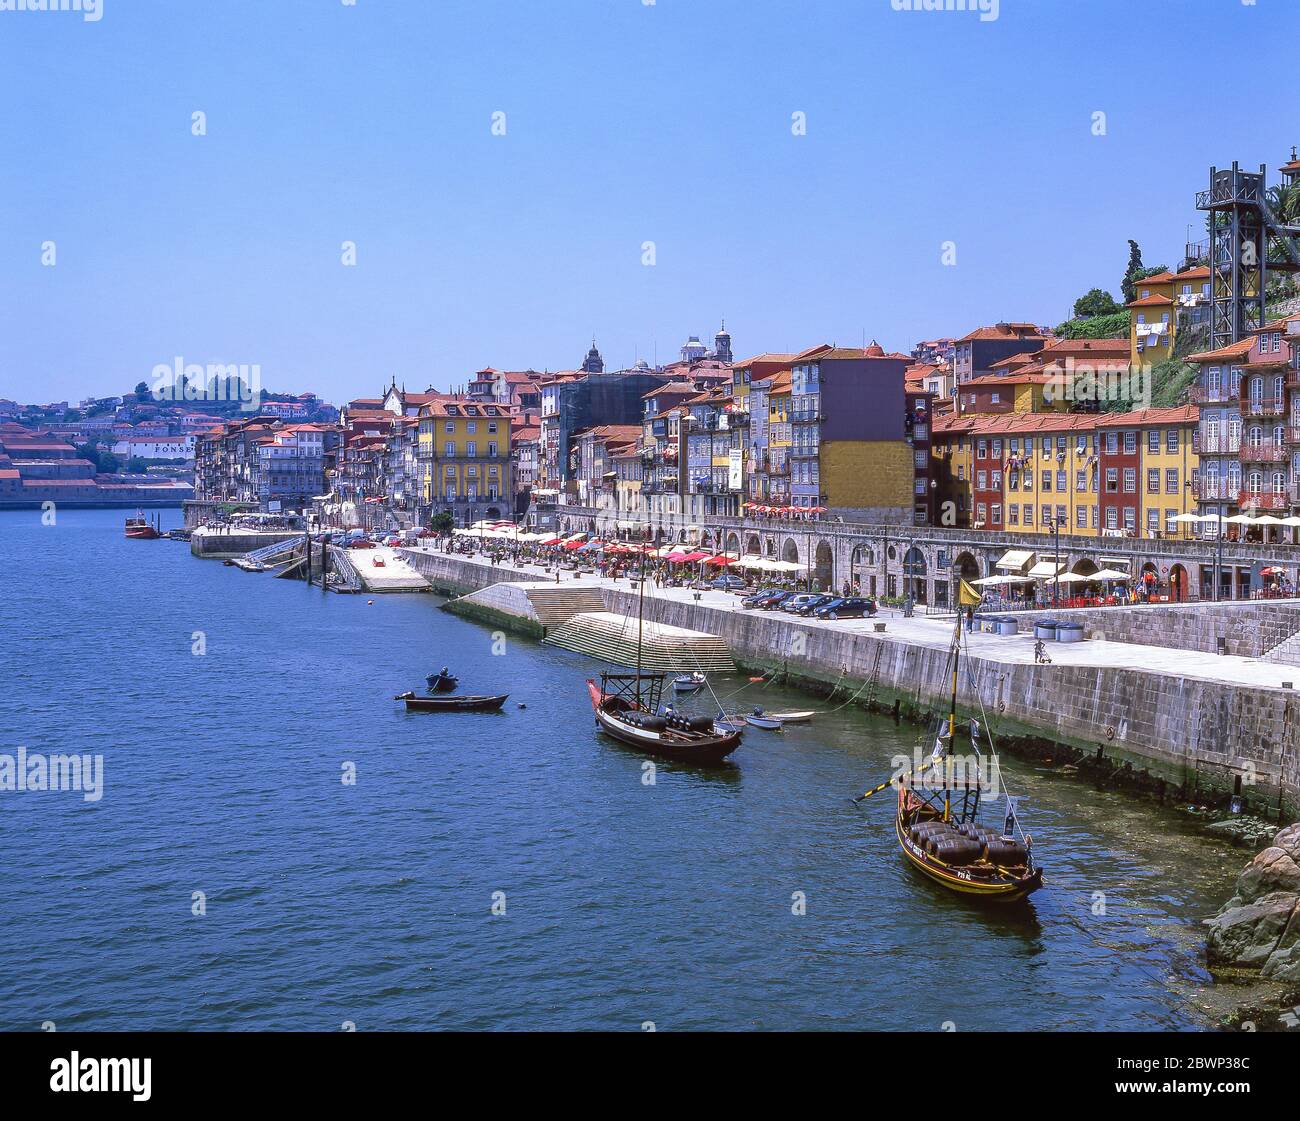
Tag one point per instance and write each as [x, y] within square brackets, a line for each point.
[1110, 574]
[1187, 518]
[1268, 519]
[1240, 519]
[1070, 578]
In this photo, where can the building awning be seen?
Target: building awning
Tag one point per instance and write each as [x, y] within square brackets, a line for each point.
[1115, 562]
[1045, 568]
[1015, 558]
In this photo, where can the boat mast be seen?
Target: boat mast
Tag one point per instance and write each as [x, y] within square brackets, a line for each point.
[640, 614]
[952, 721]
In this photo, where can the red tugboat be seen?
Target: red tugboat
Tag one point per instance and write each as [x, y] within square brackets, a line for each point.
[140, 528]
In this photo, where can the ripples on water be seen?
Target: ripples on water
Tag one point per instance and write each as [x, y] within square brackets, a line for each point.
[372, 903]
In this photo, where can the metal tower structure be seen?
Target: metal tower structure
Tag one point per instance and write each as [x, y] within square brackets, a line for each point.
[1247, 241]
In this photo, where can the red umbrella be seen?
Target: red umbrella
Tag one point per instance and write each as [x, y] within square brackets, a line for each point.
[675, 558]
[692, 558]
[573, 545]
[722, 560]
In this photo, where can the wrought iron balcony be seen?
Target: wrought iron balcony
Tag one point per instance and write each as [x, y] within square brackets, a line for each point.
[1207, 395]
[1215, 445]
[1269, 406]
[1263, 453]
[1263, 500]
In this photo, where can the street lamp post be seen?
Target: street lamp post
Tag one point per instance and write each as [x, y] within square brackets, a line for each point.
[1056, 549]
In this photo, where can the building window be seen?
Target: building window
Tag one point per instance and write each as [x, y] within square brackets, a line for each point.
[1153, 441]
[1153, 480]
[1081, 517]
[1130, 480]
[997, 513]
[1171, 441]
[1171, 480]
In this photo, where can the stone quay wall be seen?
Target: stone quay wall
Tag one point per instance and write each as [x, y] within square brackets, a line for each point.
[1197, 736]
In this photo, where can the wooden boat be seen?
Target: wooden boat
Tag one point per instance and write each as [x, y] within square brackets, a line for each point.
[689, 683]
[626, 707]
[794, 717]
[464, 703]
[937, 824]
[140, 528]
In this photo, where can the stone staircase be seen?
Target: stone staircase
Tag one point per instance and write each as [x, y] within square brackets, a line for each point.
[555, 606]
[1286, 652]
[612, 639]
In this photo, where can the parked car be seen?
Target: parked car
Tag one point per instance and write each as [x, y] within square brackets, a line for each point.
[775, 600]
[361, 543]
[727, 583]
[796, 602]
[853, 607]
[753, 599]
[813, 604]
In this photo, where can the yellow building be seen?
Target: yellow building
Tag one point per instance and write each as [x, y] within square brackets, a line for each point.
[464, 456]
[1153, 315]
[1082, 474]
[780, 438]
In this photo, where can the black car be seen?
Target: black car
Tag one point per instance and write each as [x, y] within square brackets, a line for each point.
[852, 607]
[756, 599]
[810, 607]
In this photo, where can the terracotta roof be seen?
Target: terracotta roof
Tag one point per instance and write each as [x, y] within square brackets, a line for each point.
[1026, 331]
[1151, 301]
[1233, 350]
[1180, 414]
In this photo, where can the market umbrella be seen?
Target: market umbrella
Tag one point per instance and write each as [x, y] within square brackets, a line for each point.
[720, 560]
[1109, 574]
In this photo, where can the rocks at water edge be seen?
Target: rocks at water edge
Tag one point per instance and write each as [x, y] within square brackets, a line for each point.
[1259, 927]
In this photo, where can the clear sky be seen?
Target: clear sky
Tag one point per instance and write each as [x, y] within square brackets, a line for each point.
[625, 122]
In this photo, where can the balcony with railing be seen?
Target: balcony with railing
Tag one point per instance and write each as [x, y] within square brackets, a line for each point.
[1215, 444]
[1212, 394]
[1268, 406]
[1263, 453]
[1263, 500]
[1212, 490]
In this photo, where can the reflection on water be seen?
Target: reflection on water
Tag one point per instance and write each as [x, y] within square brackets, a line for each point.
[624, 902]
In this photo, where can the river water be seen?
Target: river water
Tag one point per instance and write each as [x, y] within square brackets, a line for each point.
[228, 707]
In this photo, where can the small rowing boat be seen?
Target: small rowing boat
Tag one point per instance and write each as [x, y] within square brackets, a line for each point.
[793, 717]
[689, 683]
[452, 704]
[759, 719]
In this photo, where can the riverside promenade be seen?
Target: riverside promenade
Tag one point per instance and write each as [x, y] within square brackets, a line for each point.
[1200, 721]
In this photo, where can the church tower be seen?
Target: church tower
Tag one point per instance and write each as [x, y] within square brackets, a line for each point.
[593, 363]
[722, 344]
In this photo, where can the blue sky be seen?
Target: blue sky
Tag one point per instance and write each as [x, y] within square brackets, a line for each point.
[626, 122]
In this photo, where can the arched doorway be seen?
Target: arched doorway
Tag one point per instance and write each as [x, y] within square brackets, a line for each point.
[753, 546]
[914, 572]
[824, 566]
[1085, 567]
[733, 543]
[790, 551]
[968, 568]
[494, 513]
[706, 541]
[1178, 583]
[1149, 579]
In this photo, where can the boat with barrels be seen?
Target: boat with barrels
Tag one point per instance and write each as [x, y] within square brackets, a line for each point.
[937, 824]
[627, 708]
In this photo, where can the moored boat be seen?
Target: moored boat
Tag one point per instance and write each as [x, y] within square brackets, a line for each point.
[936, 822]
[626, 708]
[464, 703]
[793, 717]
[140, 528]
[689, 682]
[759, 719]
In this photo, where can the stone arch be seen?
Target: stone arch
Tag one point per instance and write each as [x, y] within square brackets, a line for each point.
[1085, 566]
[494, 512]
[966, 566]
[706, 540]
[733, 543]
[914, 574]
[824, 565]
[1178, 583]
[753, 545]
[790, 550]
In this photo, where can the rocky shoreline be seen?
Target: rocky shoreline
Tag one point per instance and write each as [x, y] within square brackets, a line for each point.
[1255, 937]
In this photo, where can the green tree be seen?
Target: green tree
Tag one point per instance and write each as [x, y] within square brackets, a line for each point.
[1095, 302]
[442, 522]
[142, 391]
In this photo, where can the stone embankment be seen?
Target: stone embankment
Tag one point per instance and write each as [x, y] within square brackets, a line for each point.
[1185, 726]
